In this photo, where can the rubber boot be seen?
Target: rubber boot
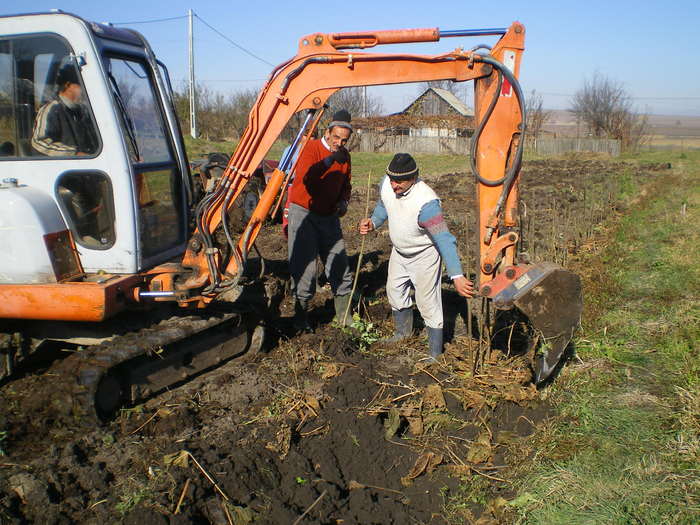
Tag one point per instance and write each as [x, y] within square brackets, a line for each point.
[403, 325]
[301, 318]
[341, 303]
[435, 342]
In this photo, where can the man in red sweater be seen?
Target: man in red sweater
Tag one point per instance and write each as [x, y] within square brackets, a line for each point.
[318, 198]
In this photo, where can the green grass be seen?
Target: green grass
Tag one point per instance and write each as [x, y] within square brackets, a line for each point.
[129, 501]
[362, 163]
[198, 148]
[428, 164]
[625, 445]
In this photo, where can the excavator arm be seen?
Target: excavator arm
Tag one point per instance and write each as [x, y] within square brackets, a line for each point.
[305, 82]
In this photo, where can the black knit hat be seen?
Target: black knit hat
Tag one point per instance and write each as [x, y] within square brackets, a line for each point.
[342, 119]
[67, 75]
[402, 167]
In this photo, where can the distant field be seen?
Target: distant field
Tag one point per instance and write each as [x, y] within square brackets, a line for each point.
[681, 142]
[666, 130]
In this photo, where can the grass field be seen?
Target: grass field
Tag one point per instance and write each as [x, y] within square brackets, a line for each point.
[362, 163]
[624, 446]
[674, 142]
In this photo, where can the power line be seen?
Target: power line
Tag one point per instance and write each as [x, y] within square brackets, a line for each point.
[666, 98]
[232, 42]
[153, 21]
[156, 20]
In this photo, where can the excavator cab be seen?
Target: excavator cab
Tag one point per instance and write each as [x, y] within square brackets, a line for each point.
[87, 127]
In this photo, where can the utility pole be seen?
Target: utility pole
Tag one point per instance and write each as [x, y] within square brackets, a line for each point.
[193, 107]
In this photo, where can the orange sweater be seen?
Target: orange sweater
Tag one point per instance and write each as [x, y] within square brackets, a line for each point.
[316, 187]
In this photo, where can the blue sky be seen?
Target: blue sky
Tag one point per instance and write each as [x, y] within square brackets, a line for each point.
[651, 47]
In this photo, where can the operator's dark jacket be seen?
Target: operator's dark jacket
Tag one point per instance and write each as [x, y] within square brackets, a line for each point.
[62, 129]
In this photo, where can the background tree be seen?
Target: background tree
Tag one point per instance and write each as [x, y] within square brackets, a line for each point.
[354, 100]
[219, 116]
[222, 116]
[605, 107]
[537, 116]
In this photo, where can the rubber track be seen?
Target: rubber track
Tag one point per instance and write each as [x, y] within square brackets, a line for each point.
[81, 372]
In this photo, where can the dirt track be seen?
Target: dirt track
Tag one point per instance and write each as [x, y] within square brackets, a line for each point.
[320, 423]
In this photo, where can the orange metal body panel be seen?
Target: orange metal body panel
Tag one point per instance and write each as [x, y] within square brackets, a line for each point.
[497, 245]
[267, 200]
[67, 301]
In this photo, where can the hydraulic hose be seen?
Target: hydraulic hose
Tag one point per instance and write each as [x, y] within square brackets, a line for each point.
[508, 178]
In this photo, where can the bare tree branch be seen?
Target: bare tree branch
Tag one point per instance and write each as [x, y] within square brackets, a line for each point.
[605, 107]
[218, 116]
[537, 116]
[458, 89]
[354, 100]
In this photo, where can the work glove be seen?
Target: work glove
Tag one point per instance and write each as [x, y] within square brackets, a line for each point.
[340, 156]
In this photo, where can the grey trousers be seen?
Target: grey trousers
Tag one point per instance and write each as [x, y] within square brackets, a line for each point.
[422, 273]
[311, 236]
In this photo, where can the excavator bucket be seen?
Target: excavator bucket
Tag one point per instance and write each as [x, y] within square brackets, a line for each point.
[551, 298]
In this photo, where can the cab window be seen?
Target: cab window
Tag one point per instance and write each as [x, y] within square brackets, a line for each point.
[86, 200]
[44, 110]
[140, 115]
[157, 178]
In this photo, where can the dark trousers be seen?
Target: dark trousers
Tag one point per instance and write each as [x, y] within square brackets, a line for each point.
[310, 236]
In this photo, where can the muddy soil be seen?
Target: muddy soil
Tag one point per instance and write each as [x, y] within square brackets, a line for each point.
[328, 427]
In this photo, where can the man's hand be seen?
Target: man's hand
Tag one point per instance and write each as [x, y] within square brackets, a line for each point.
[463, 286]
[366, 226]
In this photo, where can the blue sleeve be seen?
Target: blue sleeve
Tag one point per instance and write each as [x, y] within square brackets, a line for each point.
[292, 161]
[379, 215]
[431, 219]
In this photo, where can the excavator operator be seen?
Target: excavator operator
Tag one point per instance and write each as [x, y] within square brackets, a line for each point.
[63, 127]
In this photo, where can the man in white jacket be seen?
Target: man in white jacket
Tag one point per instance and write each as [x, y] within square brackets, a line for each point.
[421, 242]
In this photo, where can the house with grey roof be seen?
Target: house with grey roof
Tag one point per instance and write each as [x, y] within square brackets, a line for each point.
[438, 113]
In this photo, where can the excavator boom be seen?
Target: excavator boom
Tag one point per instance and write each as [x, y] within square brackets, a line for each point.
[305, 82]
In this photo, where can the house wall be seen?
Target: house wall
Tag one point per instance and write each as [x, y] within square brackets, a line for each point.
[432, 132]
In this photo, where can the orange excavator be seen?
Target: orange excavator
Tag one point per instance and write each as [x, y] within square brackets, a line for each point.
[100, 232]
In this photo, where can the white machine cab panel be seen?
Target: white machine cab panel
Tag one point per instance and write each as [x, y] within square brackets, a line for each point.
[81, 119]
[33, 231]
